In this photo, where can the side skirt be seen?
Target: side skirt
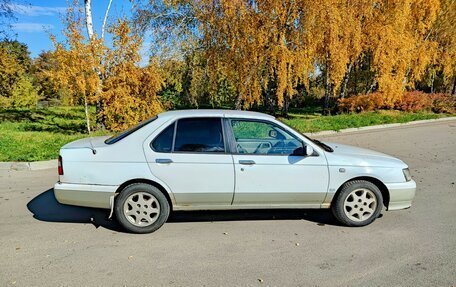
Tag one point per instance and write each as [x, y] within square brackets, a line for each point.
[250, 206]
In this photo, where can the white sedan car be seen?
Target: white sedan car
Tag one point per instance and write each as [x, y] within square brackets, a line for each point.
[221, 160]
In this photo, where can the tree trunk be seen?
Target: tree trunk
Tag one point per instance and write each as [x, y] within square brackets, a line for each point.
[286, 105]
[343, 88]
[271, 107]
[405, 80]
[100, 121]
[270, 102]
[355, 91]
[453, 90]
[328, 93]
[88, 14]
[432, 82]
[86, 108]
[105, 19]
[371, 88]
[238, 102]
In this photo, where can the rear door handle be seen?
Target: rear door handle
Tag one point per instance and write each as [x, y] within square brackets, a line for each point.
[163, 160]
[246, 162]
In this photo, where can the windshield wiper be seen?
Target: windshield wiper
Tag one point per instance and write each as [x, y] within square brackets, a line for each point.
[323, 146]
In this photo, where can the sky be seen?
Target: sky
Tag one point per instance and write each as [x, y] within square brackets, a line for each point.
[35, 20]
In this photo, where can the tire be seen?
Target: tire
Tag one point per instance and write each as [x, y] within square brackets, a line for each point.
[359, 203]
[141, 208]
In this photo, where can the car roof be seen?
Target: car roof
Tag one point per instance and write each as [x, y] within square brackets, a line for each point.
[214, 113]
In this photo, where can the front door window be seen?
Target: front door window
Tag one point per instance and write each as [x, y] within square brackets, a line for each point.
[255, 137]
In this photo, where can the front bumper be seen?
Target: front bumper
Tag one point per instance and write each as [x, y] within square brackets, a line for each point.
[89, 195]
[401, 194]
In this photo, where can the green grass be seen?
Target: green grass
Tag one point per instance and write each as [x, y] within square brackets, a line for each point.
[33, 135]
[17, 144]
[66, 120]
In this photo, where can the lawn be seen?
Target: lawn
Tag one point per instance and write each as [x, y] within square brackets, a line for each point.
[33, 135]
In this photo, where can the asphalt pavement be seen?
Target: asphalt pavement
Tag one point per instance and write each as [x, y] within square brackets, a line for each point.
[44, 243]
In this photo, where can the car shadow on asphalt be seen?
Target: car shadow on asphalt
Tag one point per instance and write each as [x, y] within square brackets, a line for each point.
[320, 217]
[46, 208]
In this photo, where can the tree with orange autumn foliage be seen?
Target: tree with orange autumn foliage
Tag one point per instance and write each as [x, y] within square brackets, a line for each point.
[129, 91]
[95, 73]
[268, 50]
[444, 33]
[395, 35]
[77, 63]
[255, 54]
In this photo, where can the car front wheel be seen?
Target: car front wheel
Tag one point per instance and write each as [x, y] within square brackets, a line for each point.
[359, 203]
[141, 208]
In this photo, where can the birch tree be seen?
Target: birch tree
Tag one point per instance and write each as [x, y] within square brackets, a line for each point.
[78, 63]
[93, 38]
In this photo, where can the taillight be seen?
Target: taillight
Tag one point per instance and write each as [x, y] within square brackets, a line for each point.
[60, 166]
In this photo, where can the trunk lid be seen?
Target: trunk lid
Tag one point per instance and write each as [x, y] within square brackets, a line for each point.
[93, 142]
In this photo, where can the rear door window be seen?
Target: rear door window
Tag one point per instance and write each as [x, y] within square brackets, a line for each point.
[203, 135]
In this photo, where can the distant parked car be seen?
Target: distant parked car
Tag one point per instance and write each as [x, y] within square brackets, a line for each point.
[225, 160]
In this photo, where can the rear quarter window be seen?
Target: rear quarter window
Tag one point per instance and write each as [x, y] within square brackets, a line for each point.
[164, 141]
[117, 137]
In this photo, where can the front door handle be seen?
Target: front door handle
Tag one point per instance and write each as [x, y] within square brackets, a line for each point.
[246, 162]
[163, 160]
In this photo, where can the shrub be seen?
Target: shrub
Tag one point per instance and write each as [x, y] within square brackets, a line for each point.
[24, 94]
[415, 101]
[361, 103]
[443, 103]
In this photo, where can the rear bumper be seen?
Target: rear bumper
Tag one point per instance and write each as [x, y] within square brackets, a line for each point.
[89, 195]
[401, 194]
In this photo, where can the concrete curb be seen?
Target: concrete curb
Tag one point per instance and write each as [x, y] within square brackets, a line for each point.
[379, 127]
[38, 165]
[34, 165]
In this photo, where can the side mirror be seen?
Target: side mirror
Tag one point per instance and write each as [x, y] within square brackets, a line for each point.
[272, 134]
[304, 151]
[309, 150]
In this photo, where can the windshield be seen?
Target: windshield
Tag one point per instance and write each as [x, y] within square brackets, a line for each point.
[317, 142]
[117, 137]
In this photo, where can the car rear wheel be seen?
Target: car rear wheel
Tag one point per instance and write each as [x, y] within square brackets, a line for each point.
[359, 203]
[141, 208]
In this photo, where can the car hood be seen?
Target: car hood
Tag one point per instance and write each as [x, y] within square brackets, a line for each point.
[92, 142]
[356, 156]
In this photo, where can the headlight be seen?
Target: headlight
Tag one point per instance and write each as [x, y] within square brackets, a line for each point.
[407, 175]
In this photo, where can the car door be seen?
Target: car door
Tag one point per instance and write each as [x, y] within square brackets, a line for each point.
[190, 157]
[266, 170]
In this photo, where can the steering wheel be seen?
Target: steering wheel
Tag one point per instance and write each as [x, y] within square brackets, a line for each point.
[278, 148]
[240, 149]
[261, 147]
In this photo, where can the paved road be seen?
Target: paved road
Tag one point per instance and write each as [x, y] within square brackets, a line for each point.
[44, 243]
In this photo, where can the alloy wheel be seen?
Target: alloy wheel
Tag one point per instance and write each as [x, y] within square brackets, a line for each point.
[141, 209]
[360, 204]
